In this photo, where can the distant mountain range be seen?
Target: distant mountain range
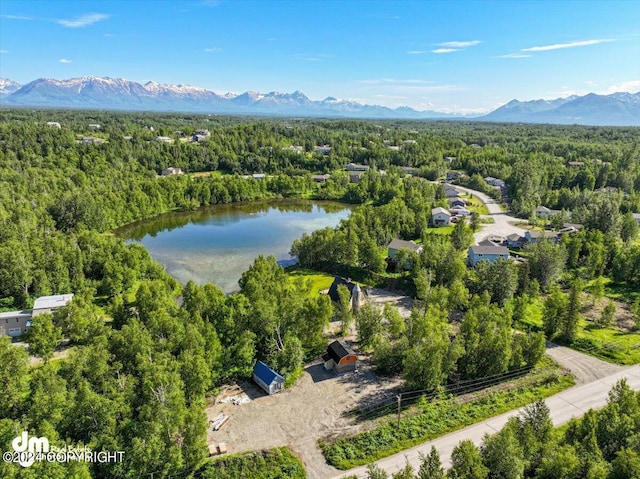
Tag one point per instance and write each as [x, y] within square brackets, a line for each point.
[119, 94]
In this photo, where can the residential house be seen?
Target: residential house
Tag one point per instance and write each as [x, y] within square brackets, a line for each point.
[460, 211]
[450, 159]
[486, 252]
[533, 236]
[92, 140]
[358, 296]
[148, 128]
[440, 217]
[323, 150]
[47, 304]
[495, 182]
[258, 176]
[15, 323]
[409, 142]
[454, 175]
[340, 357]
[456, 201]
[198, 138]
[515, 241]
[545, 213]
[357, 167]
[164, 139]
[171, 171]
[398, 244]
[53, 124]
[267, 378]
[575, 164]
[636, 216]
[202, 132]
[320, 178]
[450, 191]
[356, 176]
[94, 126]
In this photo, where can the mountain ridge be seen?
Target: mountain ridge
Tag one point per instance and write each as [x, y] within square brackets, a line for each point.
[617, 109]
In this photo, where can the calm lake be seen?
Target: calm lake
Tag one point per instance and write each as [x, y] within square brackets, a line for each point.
[218, 243]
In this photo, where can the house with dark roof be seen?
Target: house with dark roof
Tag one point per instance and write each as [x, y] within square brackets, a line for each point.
[456, 201]
[267, 378]
[358, 295]
[340, 357]
[515, 241]
[486, 252]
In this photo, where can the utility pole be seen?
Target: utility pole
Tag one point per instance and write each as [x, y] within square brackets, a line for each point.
[399, 396]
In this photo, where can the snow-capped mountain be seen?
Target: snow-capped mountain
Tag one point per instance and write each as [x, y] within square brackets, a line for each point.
[8, 86]
[617, 109]
[121, 94]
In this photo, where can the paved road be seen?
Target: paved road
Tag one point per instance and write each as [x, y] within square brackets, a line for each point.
[573, 402]
[503, 224]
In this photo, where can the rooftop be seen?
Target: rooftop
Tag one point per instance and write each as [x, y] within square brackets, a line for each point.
[56, 301]
[399, 244]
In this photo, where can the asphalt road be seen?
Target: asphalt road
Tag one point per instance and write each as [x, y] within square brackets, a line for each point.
[573, 402]
[503, 224]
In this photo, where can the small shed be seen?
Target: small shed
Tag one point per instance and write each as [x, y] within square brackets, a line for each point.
[340, 357]
[267, 378]
[358, 296]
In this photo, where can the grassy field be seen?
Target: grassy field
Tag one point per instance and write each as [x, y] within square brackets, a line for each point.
[278, 463]
[611, 344]
[474, 204]
[319, 281]
[433, 419]
[442, 230]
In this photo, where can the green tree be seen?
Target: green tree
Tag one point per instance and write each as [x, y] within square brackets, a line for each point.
[466, 462]
[555, 311]
[608, 315]
[43, 336]
[368, 324]
[629, 228]
[502, 455]
[462, 235]
[569, 327]
[546, 262]
[13, 377]
[343, 308]
[430, 466]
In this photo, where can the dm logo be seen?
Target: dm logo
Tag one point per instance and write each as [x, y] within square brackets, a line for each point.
[27, 448]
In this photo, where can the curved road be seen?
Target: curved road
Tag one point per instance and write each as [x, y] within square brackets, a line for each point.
[503, 224]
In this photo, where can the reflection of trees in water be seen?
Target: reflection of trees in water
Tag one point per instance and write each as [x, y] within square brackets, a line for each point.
[224, 215]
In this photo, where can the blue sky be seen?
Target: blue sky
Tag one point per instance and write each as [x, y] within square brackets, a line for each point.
[450, 55]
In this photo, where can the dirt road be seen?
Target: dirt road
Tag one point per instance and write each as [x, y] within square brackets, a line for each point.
[583, 367]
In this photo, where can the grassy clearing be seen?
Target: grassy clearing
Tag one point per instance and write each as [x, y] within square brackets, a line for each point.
[611, 344]
[442, 230]
[319, 281]
[475, 204]
[278, 463]
[433, 419]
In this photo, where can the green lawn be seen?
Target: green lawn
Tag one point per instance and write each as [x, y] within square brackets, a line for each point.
[319, 281]
[442, 230]
[475, 204]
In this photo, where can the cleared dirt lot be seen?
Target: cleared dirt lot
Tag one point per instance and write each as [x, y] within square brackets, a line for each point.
[298, 416]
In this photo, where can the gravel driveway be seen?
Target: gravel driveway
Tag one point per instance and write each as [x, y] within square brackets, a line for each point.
[586, 369]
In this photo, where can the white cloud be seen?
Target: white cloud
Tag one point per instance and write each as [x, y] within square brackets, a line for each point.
[83, 20]
[460, 44]
[4, 51]
[311, 57]
[64, 60]
[514, 55]
[109, 35]
[416, 52]
[17, 17]
[559, 46]
[632, 86]
[213, 50]
[445, 50]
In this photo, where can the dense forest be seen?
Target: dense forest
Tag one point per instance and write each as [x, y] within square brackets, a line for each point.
[143, 364]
